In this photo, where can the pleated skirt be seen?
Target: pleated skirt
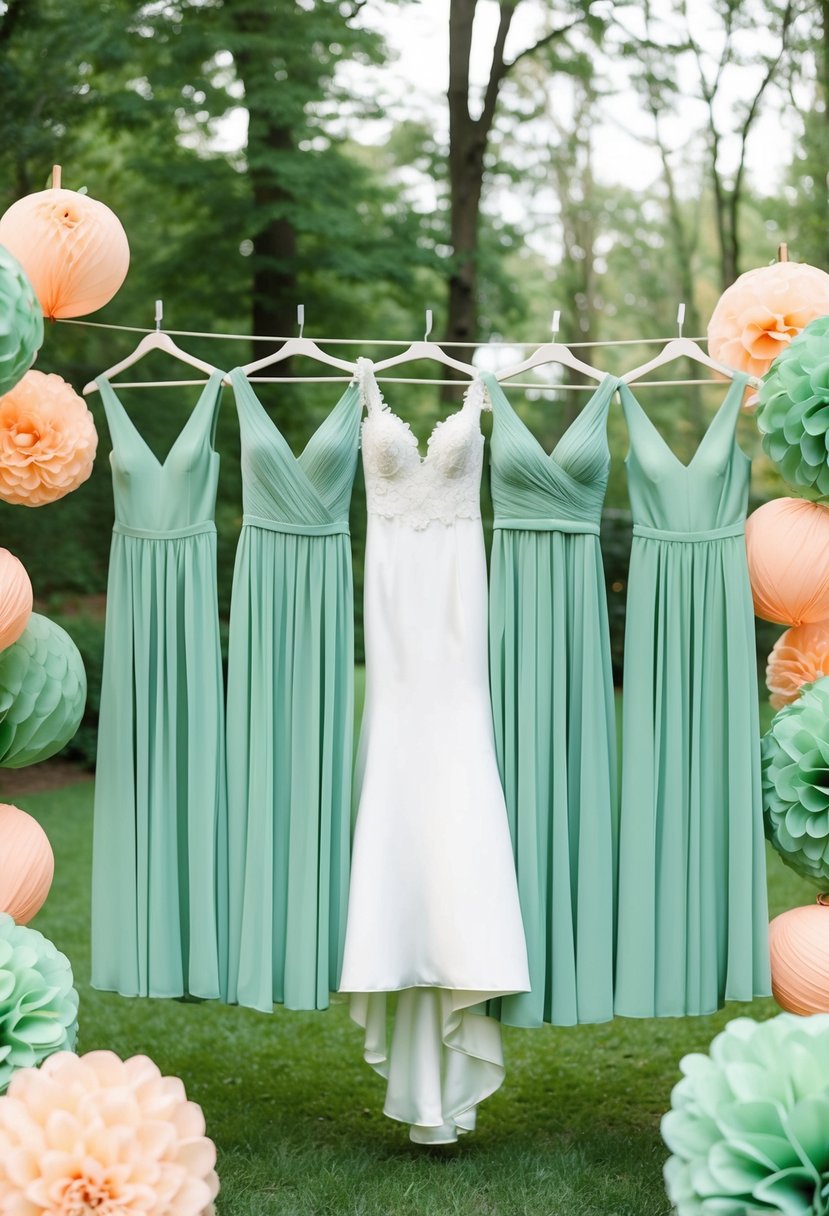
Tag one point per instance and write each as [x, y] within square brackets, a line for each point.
[158, 893]
[289, 756]
[552, 699]
[692, 922]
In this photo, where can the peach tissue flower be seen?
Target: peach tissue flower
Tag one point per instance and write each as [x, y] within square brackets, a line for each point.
[47, 440]
[800, 656]
[95, 1135]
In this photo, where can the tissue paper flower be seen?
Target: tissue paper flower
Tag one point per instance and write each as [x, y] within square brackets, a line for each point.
[106, 1136]
[47, 441]
[747, 1128]
[21, 322]
[38, 1004]
[42, 693]
[795, 760]
[793, 413]
[800, 656]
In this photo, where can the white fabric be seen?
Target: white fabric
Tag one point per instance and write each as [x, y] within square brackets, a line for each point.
[433, 901]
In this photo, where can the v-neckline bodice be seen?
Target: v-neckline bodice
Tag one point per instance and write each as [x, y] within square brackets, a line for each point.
[238, 377]
[735, 389]
[108, 391]
[493, 385]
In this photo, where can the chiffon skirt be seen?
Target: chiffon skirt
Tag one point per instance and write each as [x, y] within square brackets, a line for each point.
[289, 748]
[692, 883]
[158, 898]
[555, 731]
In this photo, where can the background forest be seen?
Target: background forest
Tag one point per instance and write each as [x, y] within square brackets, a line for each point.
[604, 159]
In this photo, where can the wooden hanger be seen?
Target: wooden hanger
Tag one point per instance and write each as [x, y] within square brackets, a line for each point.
[157, 340]
[684, 348]
[427, 350]
[551, 352]
[297, 346]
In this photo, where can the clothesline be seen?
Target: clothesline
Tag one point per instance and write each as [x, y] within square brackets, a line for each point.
[526, 384]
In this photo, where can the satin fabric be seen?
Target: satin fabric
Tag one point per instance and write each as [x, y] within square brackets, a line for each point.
[553, 706]
[692, 924]
[290, 709]
[158, 895]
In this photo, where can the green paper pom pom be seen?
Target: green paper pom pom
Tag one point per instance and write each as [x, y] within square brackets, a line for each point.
[38, 1003]
[748, 1122]
[21, 322]
[793, 411]
[795, 758]
[42, 693]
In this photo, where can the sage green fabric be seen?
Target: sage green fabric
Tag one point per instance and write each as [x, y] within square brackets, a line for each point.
[290, 709]
[157, 901]
[692, 921]
[553, 708]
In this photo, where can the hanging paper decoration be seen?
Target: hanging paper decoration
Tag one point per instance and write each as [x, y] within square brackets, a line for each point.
[136, 1144]
[42, 694]
[799, 949]
[47, 440]
[38, 1004]
[759, 314]
[27, 864]
[787, 543]
[21, 322]
[747, 1125]
[15, 598]
[793, 413]
[72, 247]
[795, 760]
[800, 656]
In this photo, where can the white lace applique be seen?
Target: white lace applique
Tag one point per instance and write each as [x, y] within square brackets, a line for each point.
[440, 487]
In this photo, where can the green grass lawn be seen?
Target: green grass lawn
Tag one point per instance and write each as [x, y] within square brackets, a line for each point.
[296, 1114]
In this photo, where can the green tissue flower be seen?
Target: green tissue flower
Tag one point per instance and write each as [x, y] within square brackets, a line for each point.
[749, 1124]
[793, 411]
[38, 1004]
[21, 322]
[42, 693]
[795, 757]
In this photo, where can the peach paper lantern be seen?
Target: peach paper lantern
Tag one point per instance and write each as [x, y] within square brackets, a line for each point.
[759, 314]
[787, 543]
[72, 247]
[27, 864]
[799, 950]
[799, 656]
[15, 598]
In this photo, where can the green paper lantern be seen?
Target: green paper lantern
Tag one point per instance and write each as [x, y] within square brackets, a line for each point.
[42, 693]
[793, 411]
[38, 1003]
[795, 758]
[21, 322]
[748, 1124]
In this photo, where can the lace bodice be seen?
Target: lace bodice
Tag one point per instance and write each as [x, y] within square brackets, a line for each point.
[440, 487]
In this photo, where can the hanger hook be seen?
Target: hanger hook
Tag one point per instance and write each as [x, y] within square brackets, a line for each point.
[300, 317]
[680, 318]
[159, 313]
[556, 322]
[428, 324]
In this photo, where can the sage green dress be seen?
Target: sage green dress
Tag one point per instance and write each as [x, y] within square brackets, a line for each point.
[158, 898]
[290, 709]
[692, 921]
[553, 708]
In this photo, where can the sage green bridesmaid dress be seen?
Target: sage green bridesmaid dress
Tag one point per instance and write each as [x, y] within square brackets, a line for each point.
[553, 707]
[158, 898]
[692, 920]
[290, 709]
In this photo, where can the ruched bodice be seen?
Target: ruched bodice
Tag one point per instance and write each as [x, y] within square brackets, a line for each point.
[564, 489]
[709, 494]
[309, 493]
[177, 495]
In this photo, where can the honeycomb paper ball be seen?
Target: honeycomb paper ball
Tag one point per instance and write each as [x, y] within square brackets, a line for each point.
[72, 247]
[793, 415]
[27, 864]
[15, 598]
[21, 322]
[759, 314]
[787, 544]
[799, 949]
[800, 656]
[47, 441]
[42, 693]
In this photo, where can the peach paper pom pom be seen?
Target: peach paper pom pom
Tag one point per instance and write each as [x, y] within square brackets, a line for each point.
[27, 864]
[800, 655]
[15, 598]
[102, 1135]
[759, 314]
[787, 545]
[47, 440]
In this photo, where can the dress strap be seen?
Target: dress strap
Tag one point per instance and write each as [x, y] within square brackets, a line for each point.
[366, 381]
[475, 397]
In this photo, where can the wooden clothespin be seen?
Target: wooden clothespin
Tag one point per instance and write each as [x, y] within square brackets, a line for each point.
[783, 252]
[56, 177]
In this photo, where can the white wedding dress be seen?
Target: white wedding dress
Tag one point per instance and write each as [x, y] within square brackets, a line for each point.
[433, 912]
